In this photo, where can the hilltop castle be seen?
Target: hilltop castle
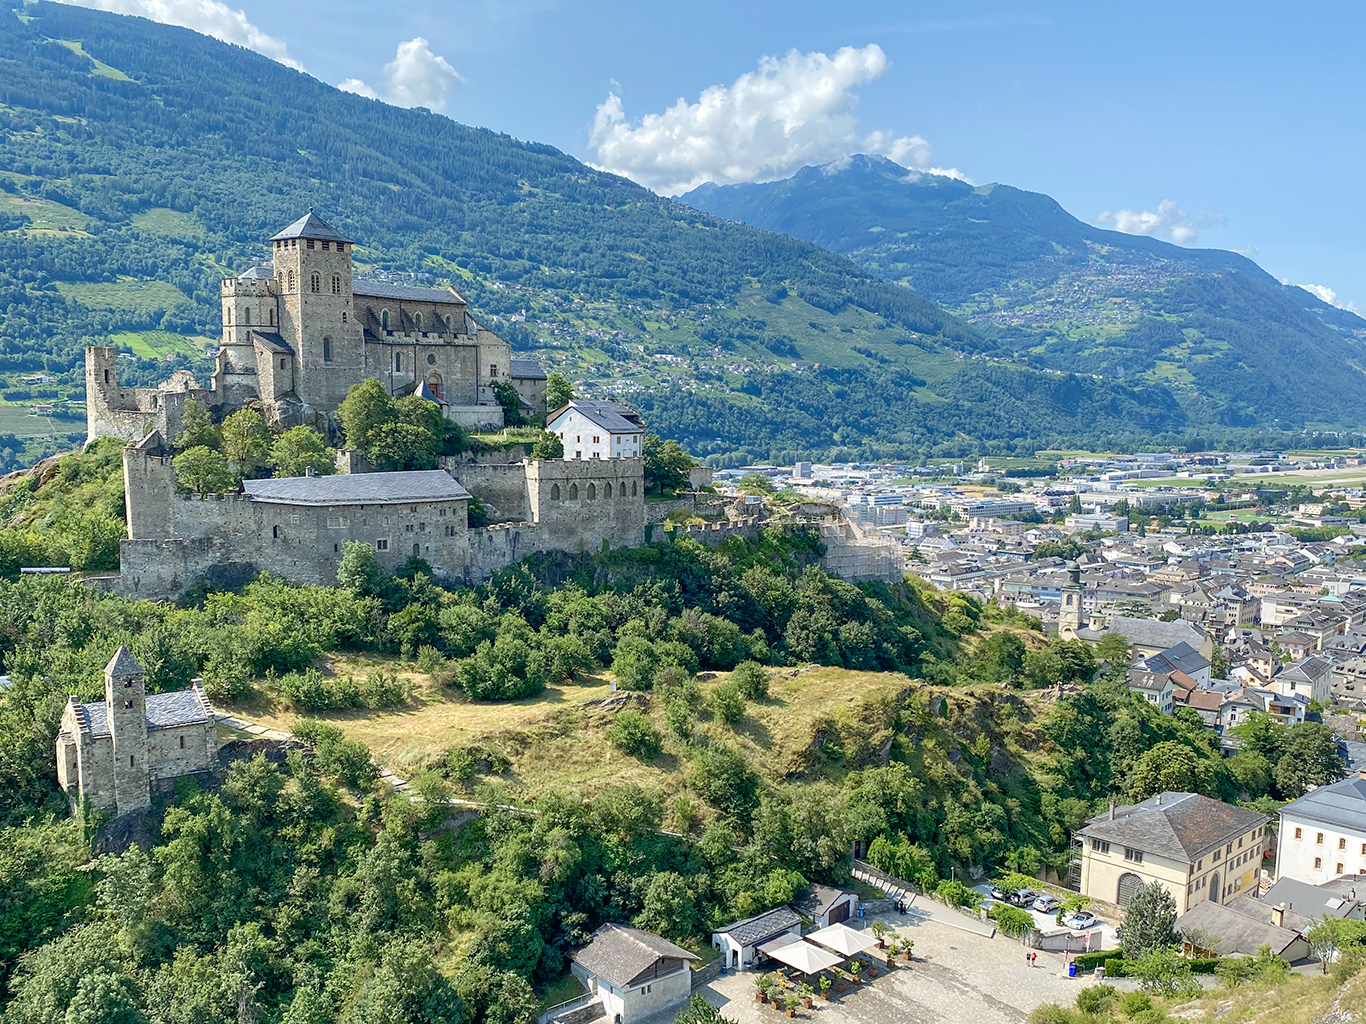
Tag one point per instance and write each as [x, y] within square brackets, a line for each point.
[299, 333]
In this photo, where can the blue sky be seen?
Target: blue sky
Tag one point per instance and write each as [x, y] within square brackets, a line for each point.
[1245, 118]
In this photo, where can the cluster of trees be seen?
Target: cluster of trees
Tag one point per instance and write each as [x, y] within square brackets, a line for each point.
[212, 458]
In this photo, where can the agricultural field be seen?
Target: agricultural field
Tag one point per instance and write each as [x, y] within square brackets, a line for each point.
[125, 293]
[45, 216]
[162, 221]
[15, 419]
[159, 344]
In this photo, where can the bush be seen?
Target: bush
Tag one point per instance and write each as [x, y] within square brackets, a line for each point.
[956, 894]
[430, 660]
[310, 690]
[506, 669]
[1096, 998]
[727, 704]
[633, 733]
[333, 754]
[635, 663]
[383, 690]
[1012, 921]
[1090, 961]
[752, 679]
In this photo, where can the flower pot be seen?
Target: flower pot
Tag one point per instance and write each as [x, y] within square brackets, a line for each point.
[761, 996]
[792, 1013]
[907, 955]
[872, 972]
[806, 1002]
[825, 994]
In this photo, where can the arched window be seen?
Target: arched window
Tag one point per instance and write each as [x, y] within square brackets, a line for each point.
[592, 491]
[246, 316]
[327, 350]
[316, 282]
[417, 550]
[417, 320]
[291, 281]
[554, 492]
[229, 320]
[633, 488]
[606, 490]
[1129, 884]
[272, 318]
[398, 362]
[384, 319]
[573, 492]
[336, 284]
[448, 323]
[343, 316]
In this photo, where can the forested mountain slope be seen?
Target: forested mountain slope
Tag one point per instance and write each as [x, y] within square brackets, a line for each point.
[1044, 287]
[140, 163]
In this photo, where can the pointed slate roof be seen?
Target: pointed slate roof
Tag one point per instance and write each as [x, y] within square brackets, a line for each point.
[310, 225]
[123, 664]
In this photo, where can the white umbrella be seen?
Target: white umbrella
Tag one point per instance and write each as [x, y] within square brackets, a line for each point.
[842, 939]
[805, 957]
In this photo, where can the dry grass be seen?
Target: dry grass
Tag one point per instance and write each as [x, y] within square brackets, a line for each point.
[554, 741]
[1302, 999]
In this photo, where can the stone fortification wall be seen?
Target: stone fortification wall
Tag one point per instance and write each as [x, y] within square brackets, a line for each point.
[500, 486]
[584, 505]
[858, 556]
[716, 533]
[497, 547]
[133, 413]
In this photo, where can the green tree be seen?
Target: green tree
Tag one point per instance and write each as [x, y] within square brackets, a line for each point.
[247, 441]
[998, 659]
[507, 396]
[752, 679]
[359, 570]
[300, 449]
[666, 465]
[203, 471]
[548, 446]
[1308, 758]
[1074, 505]
[559, 391]
[1170, 766]
[633, 733]
[366, 407]
[727, 703]
[635, 663]
[197, 428]
[1149, 921]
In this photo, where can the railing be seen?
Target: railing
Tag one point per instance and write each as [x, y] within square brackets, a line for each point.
[569, 1004]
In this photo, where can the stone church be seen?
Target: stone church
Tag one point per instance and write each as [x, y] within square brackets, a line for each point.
[297, 334]
[111, 752]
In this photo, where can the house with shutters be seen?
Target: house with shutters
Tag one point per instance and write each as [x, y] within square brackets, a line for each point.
[598, 430]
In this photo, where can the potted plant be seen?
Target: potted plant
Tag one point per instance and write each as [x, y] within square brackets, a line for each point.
[892, 951]
[807, 993]
[880, 931]
[854, 967]
[790, 1004]
[763, 984]
[906, 949]
[872, 970]
[825, 988]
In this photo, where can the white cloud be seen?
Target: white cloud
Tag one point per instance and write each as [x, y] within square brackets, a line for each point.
[1323, 292]
[208, 17]
[416, 77]
[793, 111]
[1168, 221]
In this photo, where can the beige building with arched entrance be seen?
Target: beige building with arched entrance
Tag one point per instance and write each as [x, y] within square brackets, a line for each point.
[1197, 848]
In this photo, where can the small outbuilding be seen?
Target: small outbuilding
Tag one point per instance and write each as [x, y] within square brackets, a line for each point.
[740, 941]
[826, 905]
[632, 972]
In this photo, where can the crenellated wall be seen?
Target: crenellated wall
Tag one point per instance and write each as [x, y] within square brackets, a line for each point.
[582, 505]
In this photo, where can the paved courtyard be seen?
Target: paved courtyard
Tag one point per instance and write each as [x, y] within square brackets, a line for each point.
[957, 977]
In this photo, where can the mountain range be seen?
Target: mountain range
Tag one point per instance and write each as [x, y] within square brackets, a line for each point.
[1042, 287]
[140, 163]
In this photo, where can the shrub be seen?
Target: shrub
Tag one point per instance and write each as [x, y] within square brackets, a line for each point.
[727, 704]
[505, 669]
[635, 663]
[956, 894]
[383, 690]
[310, 690]
[633, 733]
[1012, 921]
[752, 679]
[1095, 998]
[679, 717]
[430, 660]
[333, 754]
[460, 764]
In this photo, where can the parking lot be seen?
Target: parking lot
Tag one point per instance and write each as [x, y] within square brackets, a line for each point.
[1104, 937]
[957, 976]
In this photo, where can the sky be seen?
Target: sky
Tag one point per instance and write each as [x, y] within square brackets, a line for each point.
[1233, 125]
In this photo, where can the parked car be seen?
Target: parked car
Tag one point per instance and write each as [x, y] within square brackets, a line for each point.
[1001, 895]
[1080, 921]
[1046, 904]
[1023, 898]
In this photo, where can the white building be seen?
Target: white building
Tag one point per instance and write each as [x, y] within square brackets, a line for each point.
[633, 973]
[740, 942]
[598, 430]
[1323, 833]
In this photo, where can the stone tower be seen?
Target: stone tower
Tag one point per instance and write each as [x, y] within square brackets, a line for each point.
[125, 695]
[317, 318]
[1070, 618]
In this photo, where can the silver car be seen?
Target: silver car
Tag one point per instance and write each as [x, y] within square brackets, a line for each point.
[1047, 904]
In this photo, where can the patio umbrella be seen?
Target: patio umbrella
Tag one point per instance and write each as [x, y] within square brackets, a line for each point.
[842, 939]
[805, 957]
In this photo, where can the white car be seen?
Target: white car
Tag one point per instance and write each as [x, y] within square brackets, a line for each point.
[1047, 904]
[1081, 920]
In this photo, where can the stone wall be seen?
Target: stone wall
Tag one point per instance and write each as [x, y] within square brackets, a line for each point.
[133, 413]
[858, 556]
[716, 533]
[584, 505]
[497, 547]
[500, 486]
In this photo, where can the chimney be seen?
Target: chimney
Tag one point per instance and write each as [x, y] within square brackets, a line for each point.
[1112, 810]
[1278, 915]
[1159, 799]
[308, 471]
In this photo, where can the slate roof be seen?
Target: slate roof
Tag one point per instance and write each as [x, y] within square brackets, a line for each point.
[526, 369]
[1154, 632]
[1137, 679]
[164, 711]
[1237, 932]
[257, 274]
[815, 899]
[1341, 803]
[611, 416]
[310, 225]
[756, 929]
[404, 488]
[272, 341]
[1308, 903]
[1308, 670]
[401, 292]
[123, 663]
[1181, 657]
[1179, 826]
[619, 953]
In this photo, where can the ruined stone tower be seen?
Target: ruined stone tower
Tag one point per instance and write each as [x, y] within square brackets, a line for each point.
[125, 695]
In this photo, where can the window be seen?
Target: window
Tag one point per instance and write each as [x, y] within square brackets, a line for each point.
[493, 369]
[272, 317]
[1299, 834]
[325, 247]
[1318, 863]
[229, 320]
[1318, 838]
[1229, 848]
[341, 247]
[633, 488]
[130, 761]
[1339, 868]
[573, 492]
[182, 743]
[1217, 855]
[315, 282]
[294, 520]
[106, 376]
[336, 284]
[1342, 844]
[310, 243]
[1135, 856]
[1100, 845]
[128, 704]
[555, 496]
[382, 544]
[417, 320]
[606, 490]
[592, 491]
[431, 358]
[597, 439]
[343, 316]
[282, 362]
[384, 319]
[291, 280]
[327, 350]
[398, 362]
[275, 532]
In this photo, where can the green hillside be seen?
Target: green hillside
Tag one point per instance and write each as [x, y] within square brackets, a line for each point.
[141, 163]
[1235, 346]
